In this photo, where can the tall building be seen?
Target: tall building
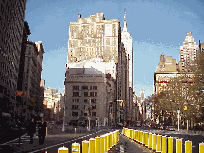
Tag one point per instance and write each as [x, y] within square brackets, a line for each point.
[188, 52]
[33, 94]
[93, 37]
[127, 41]
[11, 36]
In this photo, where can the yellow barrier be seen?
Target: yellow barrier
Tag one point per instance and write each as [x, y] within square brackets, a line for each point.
[118, 136]
[75, 147]
[85, 146]
[63, 150]
[111, 140]
[146, 138]
[141, 135]
[134, 134]
[97, 145]
[137, 135]
[143, 138]
[154, 141]
[201, 147]
[131, 133]
[102, 143]
[158, 149]
[178, 145]
[150, 140]
[92, 145]
[163, 144]
[188, 146]
[170, 144]
[106, 143]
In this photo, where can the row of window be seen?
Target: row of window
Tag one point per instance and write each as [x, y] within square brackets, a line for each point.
[85, 107]
[85, 88]
[85, 114]
[92, 94]
[85, 100]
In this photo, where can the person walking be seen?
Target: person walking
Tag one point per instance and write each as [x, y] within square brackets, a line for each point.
[42, 131]
[31, 129]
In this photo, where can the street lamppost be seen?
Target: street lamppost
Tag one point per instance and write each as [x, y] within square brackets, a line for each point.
[178, 117]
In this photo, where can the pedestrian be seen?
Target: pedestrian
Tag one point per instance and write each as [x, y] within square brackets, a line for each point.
[42, 131]
[31, 129]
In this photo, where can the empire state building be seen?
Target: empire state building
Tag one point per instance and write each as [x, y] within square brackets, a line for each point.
[127, 41]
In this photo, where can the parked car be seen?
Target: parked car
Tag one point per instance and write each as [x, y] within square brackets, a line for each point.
[171, 128]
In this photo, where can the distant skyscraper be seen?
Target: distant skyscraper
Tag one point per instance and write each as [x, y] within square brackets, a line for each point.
[127, 41]
[188, 52]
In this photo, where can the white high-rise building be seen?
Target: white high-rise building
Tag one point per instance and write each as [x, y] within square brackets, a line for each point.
[188, 52]
[127, 41]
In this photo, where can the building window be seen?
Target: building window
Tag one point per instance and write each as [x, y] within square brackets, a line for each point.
[84, 87]
[95, 94]
[85, 100]
[75, 94]
[91, 94]
[90, 87]
[85, 114]
[75, 107]
[93, 100]
[85, 94]
[75, 100]
[75, 87]
[93, 106]
[93, 113]
[94, 87]
[74, 113]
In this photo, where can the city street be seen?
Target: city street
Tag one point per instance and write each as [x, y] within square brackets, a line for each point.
[57, 138]
[196, 138]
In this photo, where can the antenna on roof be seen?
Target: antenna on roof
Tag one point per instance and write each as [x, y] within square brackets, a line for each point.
[125, 14]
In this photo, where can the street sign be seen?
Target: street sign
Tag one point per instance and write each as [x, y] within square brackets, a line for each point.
[21, 94]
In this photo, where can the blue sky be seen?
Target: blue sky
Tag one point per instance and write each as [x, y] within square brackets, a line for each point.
[156, 26]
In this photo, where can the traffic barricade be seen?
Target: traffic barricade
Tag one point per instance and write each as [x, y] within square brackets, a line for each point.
[76, 148]
[150, 140]
[85, 146]
[164, 144]
[63, 150]
[170, 144]
[106, 143]
[102, 143]
[158, 148]
[97, 144]
[146, 138]
[154, 141]
[178, 145]
[188, 146]
[201, 147]
[92, 145]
